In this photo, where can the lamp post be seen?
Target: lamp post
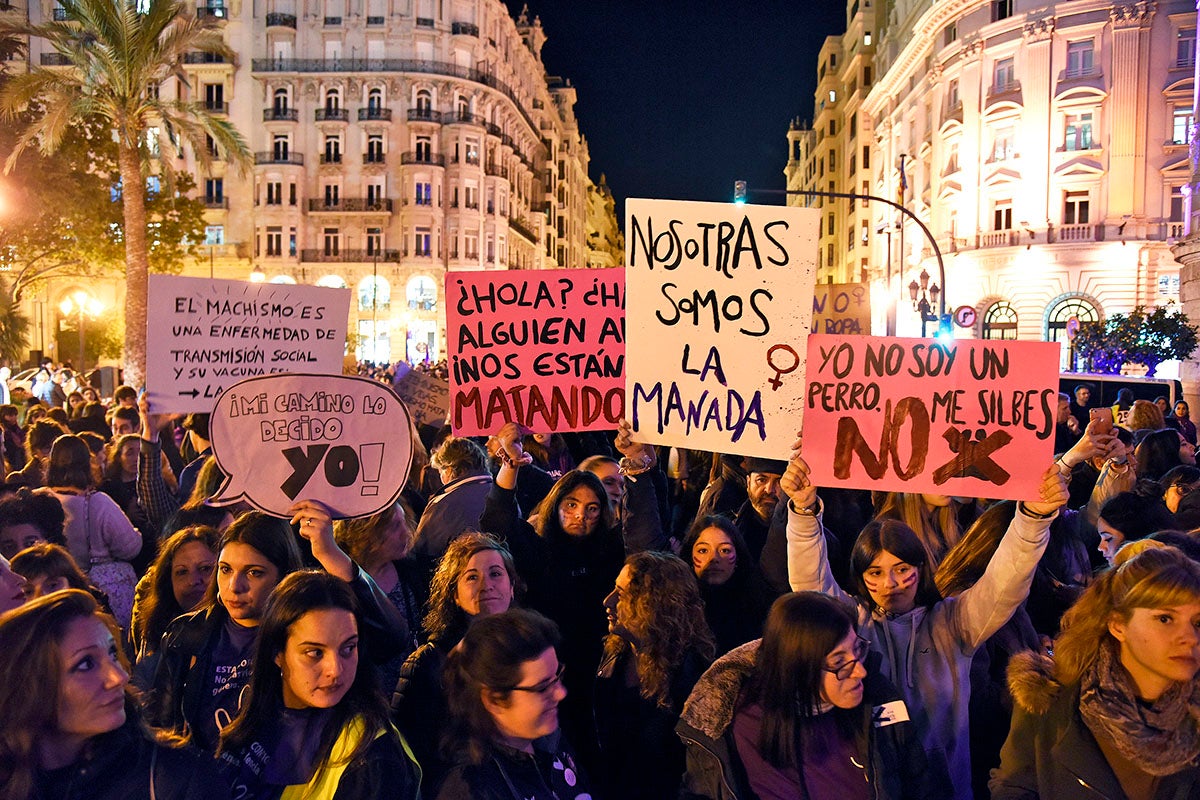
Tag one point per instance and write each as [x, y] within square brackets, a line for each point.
[928, 295]
[890, 316]
[81, 303]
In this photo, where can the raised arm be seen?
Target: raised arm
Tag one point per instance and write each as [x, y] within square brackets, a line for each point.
[153, 494]
[807, 558]
[641, 526]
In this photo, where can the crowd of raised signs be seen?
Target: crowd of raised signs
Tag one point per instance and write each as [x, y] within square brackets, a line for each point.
[583, 616]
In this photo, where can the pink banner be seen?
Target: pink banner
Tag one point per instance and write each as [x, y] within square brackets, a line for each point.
[969, 418]
[544, 348]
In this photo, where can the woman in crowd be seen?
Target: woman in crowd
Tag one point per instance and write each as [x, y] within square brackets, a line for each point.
[313, 723]
[1130, 516]
[74, 733]
[504, 684]
[657, 647]
[175, 584]
[74, 404]
[1162, 451]
[800, 714]
[28, 518]
[474, 579]
[736, 599]
[1177, 483]
[926, 643]
[39, 438]
[12, 587]
[1114, 713]
[120, 477]
[99, 535]
[1182, 421]
[1145, 415]
[379, 544]
[933, 517]
[49, 568]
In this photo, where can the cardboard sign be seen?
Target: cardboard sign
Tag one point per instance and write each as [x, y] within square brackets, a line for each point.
[720, 298]
[426, 395]
[545, 348]
[842, 308]
[343, 440]
[206, 335]
[970, 418]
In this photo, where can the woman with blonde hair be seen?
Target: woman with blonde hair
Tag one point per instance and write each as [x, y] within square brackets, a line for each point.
[1116, 712]
[932, 517]
[658, 646]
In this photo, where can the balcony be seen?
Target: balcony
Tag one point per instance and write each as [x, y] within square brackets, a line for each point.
[999, 239]
[1079, 233]
[349, 256]
[330, 158]
[464, 118]
[350, 205]
[276, 19]
[203, 58]
[434, 159]
[424, 115]
[296, 159]
[217, 108]
[1005, 91]
[54, 60]
[60, 15]
[332, 115]
[212, 14]
[522, 228]
[280, 115]
[464, 29]
[374, 115]
[374, 158]
[216, 202]
[496, 171]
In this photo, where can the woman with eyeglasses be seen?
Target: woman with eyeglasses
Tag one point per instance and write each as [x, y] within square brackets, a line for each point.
[504, 684]
[799, 714]
[926, 643]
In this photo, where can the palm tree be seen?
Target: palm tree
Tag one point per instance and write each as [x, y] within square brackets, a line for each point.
[117, 53]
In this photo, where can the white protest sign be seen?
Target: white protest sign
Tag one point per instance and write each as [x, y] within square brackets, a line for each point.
[426, 395]
[718, 303]
[340, 439]
[205, 335]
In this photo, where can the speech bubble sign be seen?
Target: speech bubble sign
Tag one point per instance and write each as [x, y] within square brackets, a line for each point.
[340, 439]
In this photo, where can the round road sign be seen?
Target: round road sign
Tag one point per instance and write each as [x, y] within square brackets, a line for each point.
[964, 316]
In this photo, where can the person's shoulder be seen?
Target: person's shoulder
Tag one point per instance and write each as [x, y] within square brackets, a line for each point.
[1032, 683]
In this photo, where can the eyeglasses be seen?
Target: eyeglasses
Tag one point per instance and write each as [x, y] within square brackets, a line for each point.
[545, 687]
[844, 671]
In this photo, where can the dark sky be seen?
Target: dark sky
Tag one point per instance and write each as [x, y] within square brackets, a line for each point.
[678, 99]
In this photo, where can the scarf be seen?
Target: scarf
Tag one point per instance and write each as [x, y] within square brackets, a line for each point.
[1162, 738]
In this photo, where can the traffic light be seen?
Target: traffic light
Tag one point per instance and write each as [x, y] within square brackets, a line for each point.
[739, 192]
[945, 328]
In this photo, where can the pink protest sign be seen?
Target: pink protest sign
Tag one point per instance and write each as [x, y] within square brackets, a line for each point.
[968, 418]
[545, 348]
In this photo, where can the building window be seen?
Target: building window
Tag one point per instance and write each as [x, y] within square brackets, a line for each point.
[275, 241]
[999, 322]
[280, 102]
[1002, 216]
[1078, 134]
[274, 193]
[1001, 9]
[951, 157]
[375, 100]
[1002, 144]
[424, 193]
[1176, 204]
[332, 194]
[374, 239]
[949, 34]
[424, 101]
[1060, 316]
[1079, 58]
[292, 193]
[421, 242]
[866, 159]
[333, 150]
[332, 241]
[375, 148]
[1185, 49]
[214, 190]
[214, 235]
[1004, 76]
[424, 149]
[214, 97]
[279, 146]
[374, 293]
[333, 100]
[375, 196]
[1181, 124]
[952, 99]
[1075, 208]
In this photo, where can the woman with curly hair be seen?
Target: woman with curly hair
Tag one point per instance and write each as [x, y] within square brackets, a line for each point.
[658, 646]
[474, 579]
[1115, 712]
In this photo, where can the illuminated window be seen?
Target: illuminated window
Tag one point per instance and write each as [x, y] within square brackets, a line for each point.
[1078, 133]
[1185, 49]
[1004, 76]
[374, 292]
[999, 322]
[1182, 118]
[1079, 58]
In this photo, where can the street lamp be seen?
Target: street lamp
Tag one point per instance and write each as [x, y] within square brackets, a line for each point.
[257, 275]
[928, 297]
[80, 302]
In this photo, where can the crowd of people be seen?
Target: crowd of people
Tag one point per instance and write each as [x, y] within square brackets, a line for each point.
[584, 616]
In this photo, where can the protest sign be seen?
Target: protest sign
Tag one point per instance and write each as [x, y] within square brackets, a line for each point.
[971, 418]
[205, 335]
[340, 439]
[842, 308]
[720, 298]
[426, 395]
[545, 348]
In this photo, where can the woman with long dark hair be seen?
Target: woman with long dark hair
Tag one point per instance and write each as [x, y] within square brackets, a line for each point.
[926, 644]
[313, 723]
[736, 597]
[1115, 712]
[74, 732]
[799, 714]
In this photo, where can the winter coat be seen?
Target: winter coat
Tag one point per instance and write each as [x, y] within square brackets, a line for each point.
[896, 766]
[927, 652]
[420, 709]
[550, 773]
[121, 765]
[1051, 753]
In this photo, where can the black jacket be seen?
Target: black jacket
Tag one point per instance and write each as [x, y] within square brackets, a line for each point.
[551, 773]
[421, 712]
[896, 767]
[120, 766]
[1051, 753]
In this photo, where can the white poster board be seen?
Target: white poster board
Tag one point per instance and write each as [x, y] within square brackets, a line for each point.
[719, 298]
[205, 335]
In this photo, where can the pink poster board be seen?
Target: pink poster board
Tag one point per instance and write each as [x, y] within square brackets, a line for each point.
[545, 348]
[968, 418]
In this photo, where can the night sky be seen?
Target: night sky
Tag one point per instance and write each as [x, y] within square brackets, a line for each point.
[678, 99]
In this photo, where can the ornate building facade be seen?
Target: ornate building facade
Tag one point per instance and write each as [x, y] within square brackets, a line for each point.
[1046, 149]
[394, 141]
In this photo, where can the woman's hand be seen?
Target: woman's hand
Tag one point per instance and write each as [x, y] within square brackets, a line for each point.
[795, 482]
[151, 423]
[1053, 493]
[509, 442]
[315, 521]
[632, 450]
[1091, 444]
